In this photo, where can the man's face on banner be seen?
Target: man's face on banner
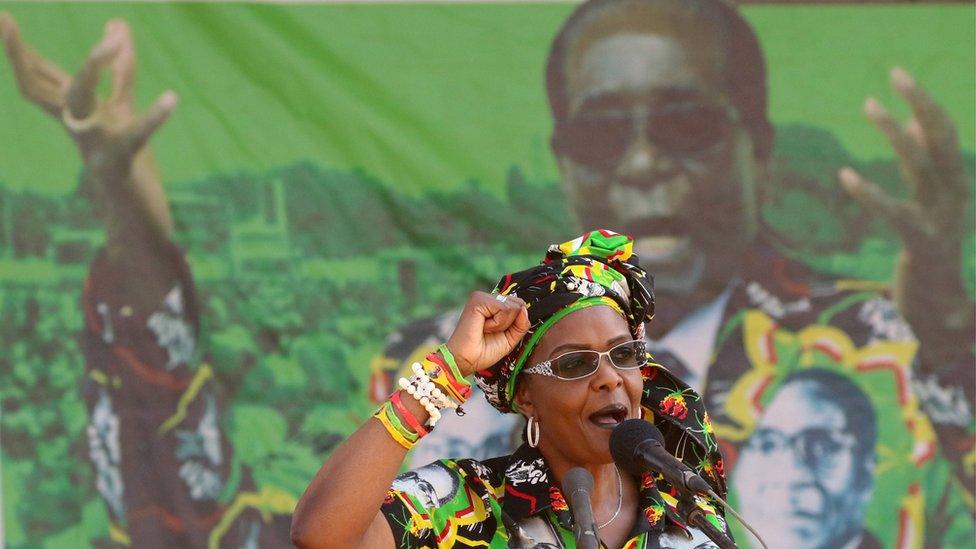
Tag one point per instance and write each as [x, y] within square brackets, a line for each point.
[651, 147]
[800, 477]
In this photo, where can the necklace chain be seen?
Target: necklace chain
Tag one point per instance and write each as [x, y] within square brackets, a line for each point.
[620, 499]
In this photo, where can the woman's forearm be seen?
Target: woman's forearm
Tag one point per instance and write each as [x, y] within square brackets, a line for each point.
[340, 508]
[341, 505]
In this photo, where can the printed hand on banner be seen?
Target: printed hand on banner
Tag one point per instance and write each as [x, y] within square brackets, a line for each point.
[110, 135]
[929, 289]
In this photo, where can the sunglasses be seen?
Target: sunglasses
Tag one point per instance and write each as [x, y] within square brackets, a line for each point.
[579, 364]
[681, 129]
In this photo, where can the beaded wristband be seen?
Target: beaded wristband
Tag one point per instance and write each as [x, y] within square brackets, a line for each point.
[423, 388]
[403, 437]
[420, 372]
[436, 373]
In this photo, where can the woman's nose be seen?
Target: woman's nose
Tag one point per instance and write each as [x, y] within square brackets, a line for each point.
[607, 376]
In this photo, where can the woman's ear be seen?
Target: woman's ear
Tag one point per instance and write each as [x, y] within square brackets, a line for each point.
[523, 398]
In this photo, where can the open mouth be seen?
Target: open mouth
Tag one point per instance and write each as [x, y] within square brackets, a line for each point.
[609, 416]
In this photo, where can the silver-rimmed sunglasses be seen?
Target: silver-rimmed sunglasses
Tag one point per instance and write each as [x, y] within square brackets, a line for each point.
[579, 364]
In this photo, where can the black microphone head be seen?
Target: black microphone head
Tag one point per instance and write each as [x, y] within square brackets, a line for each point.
[575, 479]
[625, 438]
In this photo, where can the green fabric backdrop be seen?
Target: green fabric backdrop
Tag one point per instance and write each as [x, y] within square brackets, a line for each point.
[403, 111]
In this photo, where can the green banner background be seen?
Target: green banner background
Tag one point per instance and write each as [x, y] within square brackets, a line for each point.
[426, 96]
[408, 113]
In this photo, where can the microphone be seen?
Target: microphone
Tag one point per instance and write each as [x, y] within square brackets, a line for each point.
[577, 485]
[638, 446]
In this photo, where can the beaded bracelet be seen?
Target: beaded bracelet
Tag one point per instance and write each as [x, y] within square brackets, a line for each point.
[423, 388]
[438, 371]
[448, 401]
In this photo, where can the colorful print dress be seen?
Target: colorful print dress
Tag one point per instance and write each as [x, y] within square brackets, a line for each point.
[471, 503]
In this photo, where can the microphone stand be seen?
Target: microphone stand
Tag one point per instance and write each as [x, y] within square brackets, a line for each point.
[694, 516]
[518, 539]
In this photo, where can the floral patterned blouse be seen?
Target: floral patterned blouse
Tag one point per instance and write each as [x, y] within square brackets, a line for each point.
[470, 503]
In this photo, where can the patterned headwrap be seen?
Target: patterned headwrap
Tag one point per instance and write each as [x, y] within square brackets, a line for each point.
[598, 268]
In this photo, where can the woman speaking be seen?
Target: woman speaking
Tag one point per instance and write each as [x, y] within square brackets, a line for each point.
[561, 343]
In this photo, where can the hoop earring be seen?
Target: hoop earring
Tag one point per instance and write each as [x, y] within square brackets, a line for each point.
[532, 431]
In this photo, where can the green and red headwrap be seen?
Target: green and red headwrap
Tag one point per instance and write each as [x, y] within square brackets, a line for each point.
[598, 268]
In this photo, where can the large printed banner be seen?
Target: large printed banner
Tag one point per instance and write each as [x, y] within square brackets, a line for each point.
[177, 360]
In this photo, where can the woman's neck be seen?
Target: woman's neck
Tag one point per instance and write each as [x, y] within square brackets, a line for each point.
[606, 495]
[614, 498]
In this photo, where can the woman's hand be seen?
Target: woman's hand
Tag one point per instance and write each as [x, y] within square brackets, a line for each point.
[489, 328]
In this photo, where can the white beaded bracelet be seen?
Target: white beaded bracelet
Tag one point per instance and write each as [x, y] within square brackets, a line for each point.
[423, 389]
[429, 388]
